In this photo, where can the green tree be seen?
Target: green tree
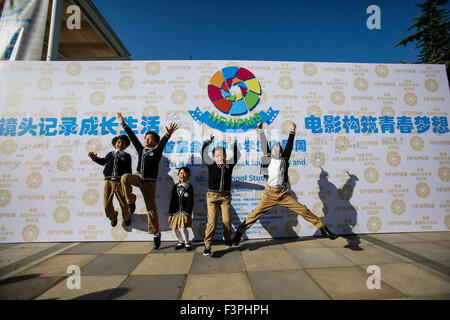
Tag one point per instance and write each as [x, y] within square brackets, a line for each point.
[431, 35]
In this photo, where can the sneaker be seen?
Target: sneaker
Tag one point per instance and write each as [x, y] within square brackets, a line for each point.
[180, 245]
[114, 223]
[157, 241]
[188, 246]
[132, 207]
[207, 251]
[327, 233]
[237, 238]
[127, 222]
[228, 243]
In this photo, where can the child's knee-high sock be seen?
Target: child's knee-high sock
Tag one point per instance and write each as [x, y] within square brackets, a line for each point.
[185, 235]
[178, 235]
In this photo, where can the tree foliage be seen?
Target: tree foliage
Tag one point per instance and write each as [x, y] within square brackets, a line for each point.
[431, 37]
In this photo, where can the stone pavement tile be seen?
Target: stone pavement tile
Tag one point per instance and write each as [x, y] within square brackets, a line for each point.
[428, 250]
[414, 281]
[91, 288]
[393, 237]
[112, 264]
[151, 287]
[21, 251]
[350, 283]
[228, 262]
[141, 247]
[6, 245]
[26, 287]
[218, 286]
[431, 236]
[90, 248]
[260, 244]
[269, 260]
[57, 265]
[445, 243]
[369, 255]
[342, 241]
[285, 285]
[165, 263]
[445, 263]
[319, 258]
[303, 243]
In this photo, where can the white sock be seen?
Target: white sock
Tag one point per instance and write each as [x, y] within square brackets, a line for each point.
[178, 234]
[185, 235]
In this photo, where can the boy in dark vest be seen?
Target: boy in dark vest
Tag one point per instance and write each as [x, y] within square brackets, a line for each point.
[274, 167]
[149, 156]
[117, 163]
[218, 196]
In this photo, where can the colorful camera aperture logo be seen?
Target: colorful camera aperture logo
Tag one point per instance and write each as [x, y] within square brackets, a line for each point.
[234, 90]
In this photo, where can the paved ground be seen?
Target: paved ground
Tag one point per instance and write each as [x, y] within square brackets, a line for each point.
[412, 266]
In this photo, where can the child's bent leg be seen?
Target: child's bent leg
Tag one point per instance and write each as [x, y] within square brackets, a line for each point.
[127, 181]
[108, 193]
[118, 191]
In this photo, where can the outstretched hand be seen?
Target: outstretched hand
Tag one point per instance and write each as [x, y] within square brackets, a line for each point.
[120, 118]
[92, 155]
[260, 125]
[211, 137]
[293, 127]
[171, 129]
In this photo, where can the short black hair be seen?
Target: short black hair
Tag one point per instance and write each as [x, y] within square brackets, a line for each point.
[154, 135]
[122, 137]
[218, 148]
[186, 169]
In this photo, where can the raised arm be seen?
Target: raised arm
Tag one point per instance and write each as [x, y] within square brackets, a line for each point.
[204, 153]
[263, 139]
[290, 143]
[100, 161]
[134, 140]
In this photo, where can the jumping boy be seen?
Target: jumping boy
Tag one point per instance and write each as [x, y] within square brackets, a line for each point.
[274, 167]
[117, 163]
[149, 156]
[218, 196]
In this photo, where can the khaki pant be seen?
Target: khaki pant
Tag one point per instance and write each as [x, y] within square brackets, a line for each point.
[110, 189]
[278, 196]
[148, 189]
[214, 201]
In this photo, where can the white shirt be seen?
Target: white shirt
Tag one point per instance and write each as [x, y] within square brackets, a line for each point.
[276, 173]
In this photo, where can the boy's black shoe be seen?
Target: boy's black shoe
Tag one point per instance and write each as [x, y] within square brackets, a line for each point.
[207, 251]
[132, 207]
[114, 223]
[180, 245]
[327, 233]
[228, 243]
[237, 238]
[188, 246]
[127, 222]
[157, 241]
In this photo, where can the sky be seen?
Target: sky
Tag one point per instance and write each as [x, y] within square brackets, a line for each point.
[282, 30]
